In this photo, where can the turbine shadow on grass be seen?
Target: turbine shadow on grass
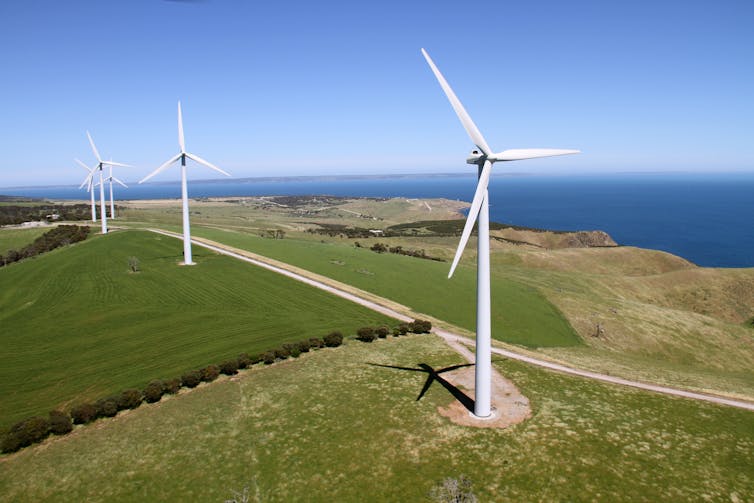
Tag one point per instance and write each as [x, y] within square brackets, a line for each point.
[434, 375]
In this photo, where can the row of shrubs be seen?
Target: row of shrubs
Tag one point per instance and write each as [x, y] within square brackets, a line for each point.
[36, 429]
[369, 334]
[56, 237]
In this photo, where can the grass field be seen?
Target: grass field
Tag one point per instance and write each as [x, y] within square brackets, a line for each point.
[76, 324]
[15, 238]
[331, 427]
[521, 315]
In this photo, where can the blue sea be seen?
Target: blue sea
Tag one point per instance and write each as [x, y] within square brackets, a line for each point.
[705, 218]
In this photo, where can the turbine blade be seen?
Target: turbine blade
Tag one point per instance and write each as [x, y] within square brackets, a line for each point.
[118, 181]
[162, 167]
[181, 141]
[202, 161]
[517, 154]
[94, 149]
[112, 163]
[481, 190]
[86, 182]
[84, 166]
[468, 124]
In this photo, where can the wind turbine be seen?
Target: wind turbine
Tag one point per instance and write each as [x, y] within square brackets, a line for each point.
[484, 158]
[88, 182]
[100, 165]
[182, 155]
[112, 179]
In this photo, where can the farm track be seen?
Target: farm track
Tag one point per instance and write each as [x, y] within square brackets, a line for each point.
[403, 313]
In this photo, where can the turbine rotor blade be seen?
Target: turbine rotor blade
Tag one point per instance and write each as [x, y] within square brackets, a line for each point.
[518, 154]
[118, 181]
[94, 149]
[181, 141]
[112, 163]
[468, 124]
[86, 182]
[202, 161]
[162, 167]
[476, 203]
[84, 166]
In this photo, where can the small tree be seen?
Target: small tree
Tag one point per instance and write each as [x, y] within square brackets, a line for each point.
[244, 360]
[333, 339]
[229, 367]
[172, 386]
[191, 379]
[365, 334]
[83, 413]
[153, 392]
[382, 332]
[129, 399]
[210, 373]
[60, 422]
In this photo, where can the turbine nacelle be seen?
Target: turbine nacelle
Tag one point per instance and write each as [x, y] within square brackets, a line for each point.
[477, 157]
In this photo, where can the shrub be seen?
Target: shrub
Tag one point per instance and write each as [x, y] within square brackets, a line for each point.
[268, 357]
[153, 392]
[60, 422]
[26, 433]
[210, 373]
[295, 353]
[257, 358]
[83, 413]
[365, 334]
[282, 352]
[403, 328]
[129, 399]
[106, 407]
[229, 367]
[382, 332]
[316, 343]
[243, 361]
[420, 326]
[191, 379]
[171, 386]
[303, 346]
[396, 332]
[333, 339]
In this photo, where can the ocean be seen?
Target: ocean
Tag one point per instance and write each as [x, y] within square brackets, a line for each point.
[705, 218]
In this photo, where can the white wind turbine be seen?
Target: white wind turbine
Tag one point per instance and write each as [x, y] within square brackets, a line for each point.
[88, 182]
[182, 155]
[112, 179]
[100, 165]
[484, 158]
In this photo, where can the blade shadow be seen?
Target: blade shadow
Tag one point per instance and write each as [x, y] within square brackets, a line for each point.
[434, 375]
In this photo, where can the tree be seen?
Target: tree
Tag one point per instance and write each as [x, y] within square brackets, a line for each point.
[133, 264]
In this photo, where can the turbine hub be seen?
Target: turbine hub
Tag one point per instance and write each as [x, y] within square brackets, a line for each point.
[476, 157]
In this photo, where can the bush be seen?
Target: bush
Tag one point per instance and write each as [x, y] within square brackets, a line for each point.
[420, 326]
[396, 332]
[365, 334]
[60, 422]
[229, 367]
[106, 407]
[316, 343]
[403, 328]
[129, 399]
[171, 386]
[243, 361]
[282, 352]
[382, 332]
[210, 373]
[268, 357]
[191, 379]
[257, 358]
[153, 392]
[295, 353]
[26, 433]
[333, 339]
[303, 346]
[83, 413]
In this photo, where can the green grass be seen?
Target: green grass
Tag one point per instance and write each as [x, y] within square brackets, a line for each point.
[76, 324]
[15, 239]
[520, 314]
[330, 427]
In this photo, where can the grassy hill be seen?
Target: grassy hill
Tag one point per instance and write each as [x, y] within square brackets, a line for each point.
[331, 427]
[76, 324]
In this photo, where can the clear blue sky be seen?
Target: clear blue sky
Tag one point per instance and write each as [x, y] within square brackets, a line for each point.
[340, 87]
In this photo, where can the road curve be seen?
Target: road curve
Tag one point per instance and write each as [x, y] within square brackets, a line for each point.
[451, 337]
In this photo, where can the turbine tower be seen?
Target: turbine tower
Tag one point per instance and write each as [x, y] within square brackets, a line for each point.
[484, 158]
[100, 165]
[182, 155]
[112, 179]
[88, 182]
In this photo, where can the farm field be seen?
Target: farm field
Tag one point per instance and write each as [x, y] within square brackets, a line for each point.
[331, 427]
[13, 238]
[78, 325]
